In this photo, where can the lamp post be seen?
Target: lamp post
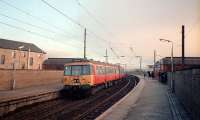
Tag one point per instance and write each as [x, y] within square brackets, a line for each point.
[14, 69]
[172, 63]
[120, 59]
[120, 62]
[13, 73]
[28, 56]
[106, 60]
[140, 57]
[20, 48]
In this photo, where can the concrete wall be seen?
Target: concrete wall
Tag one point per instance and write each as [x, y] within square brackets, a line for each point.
[28, 78]
[187, 88]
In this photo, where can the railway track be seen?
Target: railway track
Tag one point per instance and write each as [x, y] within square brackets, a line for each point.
[99, 108]
[88, 108]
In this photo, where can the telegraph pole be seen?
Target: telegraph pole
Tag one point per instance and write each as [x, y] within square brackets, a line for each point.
[140, 57]
[183, 45]
[141, 63]
[154, 61]
[106, 57]
[85, 36]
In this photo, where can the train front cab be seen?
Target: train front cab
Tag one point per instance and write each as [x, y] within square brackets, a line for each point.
[78, 77]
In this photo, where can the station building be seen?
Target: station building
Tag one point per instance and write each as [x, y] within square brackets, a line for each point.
[57, 63]
[20, 55]
[164, 64]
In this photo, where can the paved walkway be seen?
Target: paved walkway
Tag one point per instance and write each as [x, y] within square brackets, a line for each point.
[30, 91]
[153, 103]
[148, 101]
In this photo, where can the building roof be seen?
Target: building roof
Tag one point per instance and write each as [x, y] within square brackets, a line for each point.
[60, 60]
[14, 45]
[178, 60]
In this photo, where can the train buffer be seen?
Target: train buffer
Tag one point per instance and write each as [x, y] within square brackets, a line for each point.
[13, 99]
[150, 100]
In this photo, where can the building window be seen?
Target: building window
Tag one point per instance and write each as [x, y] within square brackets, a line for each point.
[31, 61]
[14, 54]
[40, 55]
[23, 65]
[2, 59]
[39, 66]
[24, 54]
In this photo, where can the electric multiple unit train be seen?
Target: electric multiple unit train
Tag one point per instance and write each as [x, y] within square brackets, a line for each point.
[88, 75]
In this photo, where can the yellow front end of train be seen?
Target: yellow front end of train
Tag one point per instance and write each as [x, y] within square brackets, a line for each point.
[78, 80]
[78, 76]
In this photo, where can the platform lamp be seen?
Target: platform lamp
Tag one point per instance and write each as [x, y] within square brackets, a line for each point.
[172, 63]
[14, 68]
[140, 57]
[20, 48]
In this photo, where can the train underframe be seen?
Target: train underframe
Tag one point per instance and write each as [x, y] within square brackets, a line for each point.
[80, 91]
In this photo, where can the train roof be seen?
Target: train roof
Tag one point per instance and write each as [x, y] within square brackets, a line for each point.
[91, 61]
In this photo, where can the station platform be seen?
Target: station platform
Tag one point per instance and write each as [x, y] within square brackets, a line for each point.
[151, 100]
[29, 91]
[13, 99]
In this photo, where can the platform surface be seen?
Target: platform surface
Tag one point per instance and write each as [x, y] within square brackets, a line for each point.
[29, 91]
[152, 104]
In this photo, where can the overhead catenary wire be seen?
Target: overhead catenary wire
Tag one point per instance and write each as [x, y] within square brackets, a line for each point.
[33, 16]
[89, 13]
[132, 54]
[194, 24]
[38, 34]
[38, 18]
[114, 53]
[72, 20]
[94, 18]
[100, 23]
[22, 29]
[32, 32]
[32, 25]
[60, 12]
[23, 22]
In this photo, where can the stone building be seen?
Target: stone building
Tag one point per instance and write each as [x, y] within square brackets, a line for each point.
[20, 55]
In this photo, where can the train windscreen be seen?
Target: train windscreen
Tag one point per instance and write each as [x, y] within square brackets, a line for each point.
[77, 70]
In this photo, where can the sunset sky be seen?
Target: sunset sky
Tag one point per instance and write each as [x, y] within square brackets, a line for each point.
[116, 24]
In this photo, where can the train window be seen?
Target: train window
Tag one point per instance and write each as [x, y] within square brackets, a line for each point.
[67, 70]
[86, 70]
[104, 70]
[76, 70]
[108, 70]
[91, 69]
[97, 70]
[101, 68]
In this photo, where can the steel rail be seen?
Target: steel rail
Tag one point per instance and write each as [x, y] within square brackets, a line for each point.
[101, 103]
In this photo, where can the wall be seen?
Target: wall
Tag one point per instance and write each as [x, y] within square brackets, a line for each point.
[21, 59]
[187, 86]
[28, 78]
